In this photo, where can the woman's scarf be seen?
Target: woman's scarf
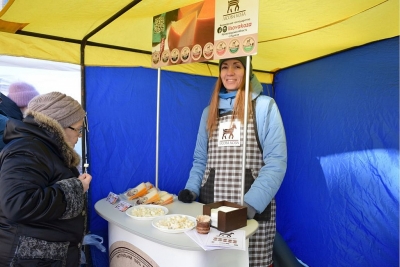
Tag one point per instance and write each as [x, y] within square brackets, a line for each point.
[226, 100]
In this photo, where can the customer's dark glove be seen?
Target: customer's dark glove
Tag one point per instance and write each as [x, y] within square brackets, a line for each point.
[186, 196]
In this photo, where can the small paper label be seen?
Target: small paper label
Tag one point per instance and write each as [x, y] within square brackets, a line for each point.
[112, 198]
[123, 206]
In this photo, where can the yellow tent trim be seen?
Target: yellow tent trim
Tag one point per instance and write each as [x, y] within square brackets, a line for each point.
[11, 27]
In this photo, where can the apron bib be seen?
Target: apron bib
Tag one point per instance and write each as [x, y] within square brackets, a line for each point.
[223, 178]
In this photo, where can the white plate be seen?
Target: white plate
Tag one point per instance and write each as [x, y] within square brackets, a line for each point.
[147, 208]
[172, 230]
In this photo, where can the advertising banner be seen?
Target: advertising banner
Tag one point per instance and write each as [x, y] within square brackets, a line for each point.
[206, 30]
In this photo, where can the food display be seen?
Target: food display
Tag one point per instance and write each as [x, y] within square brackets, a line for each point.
[151, 196]
[146, 212]
[145, 193]
[165, 198]
[138, 191]
[174, 223]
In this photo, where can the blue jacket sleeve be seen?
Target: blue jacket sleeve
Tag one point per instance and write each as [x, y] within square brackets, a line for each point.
[199, 156]
[272, 137]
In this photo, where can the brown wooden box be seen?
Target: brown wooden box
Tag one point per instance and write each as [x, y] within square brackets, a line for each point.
[228, 221]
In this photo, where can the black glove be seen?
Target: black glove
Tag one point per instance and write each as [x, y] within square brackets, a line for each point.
[186, 196]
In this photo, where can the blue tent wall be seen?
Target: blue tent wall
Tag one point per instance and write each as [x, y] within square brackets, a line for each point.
[121, 106]
[338, 205]
[339, 202]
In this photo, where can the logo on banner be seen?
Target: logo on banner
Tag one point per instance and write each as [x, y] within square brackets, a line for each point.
[233, 10]
[229, 134]
[233, 4]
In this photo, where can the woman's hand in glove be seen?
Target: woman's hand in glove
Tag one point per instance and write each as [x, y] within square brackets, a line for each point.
[186, 196]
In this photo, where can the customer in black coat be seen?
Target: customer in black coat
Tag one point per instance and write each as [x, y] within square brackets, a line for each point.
[42, 194]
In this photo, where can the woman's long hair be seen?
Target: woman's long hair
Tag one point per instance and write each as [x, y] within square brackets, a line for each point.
[238, 108]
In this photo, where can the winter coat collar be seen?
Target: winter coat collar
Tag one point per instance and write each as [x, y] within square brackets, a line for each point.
[54, 134]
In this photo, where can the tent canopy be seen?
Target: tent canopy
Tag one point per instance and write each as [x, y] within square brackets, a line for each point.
[340, 193]
[290, 32]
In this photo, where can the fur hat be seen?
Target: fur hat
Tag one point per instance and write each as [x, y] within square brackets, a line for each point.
[21, 93]
[58, 106]
[241, 59]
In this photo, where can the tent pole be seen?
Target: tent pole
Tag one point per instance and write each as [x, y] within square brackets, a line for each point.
[82, 64]
[158, 122]
[83, 73]
[86, 148]
[246, 100]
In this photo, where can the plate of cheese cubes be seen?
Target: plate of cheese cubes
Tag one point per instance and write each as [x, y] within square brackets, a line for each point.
[146, 212]
[174, 223]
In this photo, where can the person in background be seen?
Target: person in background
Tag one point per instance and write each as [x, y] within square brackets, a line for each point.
[21, 93]
[13, 106]
[216, 174]
[42, 194]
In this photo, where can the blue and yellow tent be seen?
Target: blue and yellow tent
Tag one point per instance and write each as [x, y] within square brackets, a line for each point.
[332, 67]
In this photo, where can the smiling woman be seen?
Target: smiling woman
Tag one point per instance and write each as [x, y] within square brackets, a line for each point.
[219, 147]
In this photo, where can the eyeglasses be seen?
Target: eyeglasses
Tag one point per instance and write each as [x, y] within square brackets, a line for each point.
[79, 131]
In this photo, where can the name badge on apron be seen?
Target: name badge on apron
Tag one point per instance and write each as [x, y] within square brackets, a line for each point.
[229, 133]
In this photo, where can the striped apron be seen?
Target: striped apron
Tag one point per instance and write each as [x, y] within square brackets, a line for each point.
[223, 178]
